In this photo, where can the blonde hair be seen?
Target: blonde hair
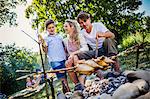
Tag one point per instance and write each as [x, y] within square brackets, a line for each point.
[76, 31]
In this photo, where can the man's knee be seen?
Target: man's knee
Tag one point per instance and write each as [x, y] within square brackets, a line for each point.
[110, 46]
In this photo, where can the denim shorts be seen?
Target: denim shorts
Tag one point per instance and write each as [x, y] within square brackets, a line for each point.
[59, 65]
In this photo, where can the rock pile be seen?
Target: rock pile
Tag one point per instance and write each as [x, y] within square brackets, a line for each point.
[127, 85]
[98, 87]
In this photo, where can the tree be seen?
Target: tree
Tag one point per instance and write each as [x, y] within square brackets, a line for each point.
[7, 14]
[14, 58]
[117, 15]
[141, 35]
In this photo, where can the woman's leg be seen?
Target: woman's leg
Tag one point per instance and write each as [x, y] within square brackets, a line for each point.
[65, 85]
[72, 75]
[81, 77]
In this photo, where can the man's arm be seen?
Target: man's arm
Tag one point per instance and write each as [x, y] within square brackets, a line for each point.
[107, 34]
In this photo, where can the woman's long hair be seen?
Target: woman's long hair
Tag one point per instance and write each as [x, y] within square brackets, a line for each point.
[76, 31]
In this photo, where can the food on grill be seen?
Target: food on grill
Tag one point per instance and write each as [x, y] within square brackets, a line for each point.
[84, 69]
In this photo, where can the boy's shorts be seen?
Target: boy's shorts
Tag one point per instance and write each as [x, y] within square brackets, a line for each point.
[59, 65]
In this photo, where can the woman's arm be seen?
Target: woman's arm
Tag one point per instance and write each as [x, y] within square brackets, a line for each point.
[83, 43]
[83, 46]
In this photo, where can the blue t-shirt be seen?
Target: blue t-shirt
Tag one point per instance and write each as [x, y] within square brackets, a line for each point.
[56, 50]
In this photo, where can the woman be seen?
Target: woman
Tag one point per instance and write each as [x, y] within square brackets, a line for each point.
[75, 43]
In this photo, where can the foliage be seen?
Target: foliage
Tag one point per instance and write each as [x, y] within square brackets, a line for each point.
[117, 15]
[134, 39]
[128, 62]
[8, 14]
[12, 59]
[142, 38]
[142, 34]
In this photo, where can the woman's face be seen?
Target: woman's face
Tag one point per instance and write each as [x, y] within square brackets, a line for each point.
[68, 29]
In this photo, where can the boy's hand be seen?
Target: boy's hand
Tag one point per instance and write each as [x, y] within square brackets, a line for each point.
[42, 41]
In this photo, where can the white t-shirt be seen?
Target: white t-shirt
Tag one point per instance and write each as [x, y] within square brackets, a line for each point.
[91, 37]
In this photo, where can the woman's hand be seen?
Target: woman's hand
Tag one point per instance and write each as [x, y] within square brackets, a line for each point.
[71, 56]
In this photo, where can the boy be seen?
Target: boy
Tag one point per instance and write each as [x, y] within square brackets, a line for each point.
[56, 53]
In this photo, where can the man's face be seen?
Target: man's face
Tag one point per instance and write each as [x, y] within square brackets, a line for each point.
[51, 29]
[85, 24]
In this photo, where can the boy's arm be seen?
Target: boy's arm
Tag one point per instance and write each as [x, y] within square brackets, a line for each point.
[64, 47]
[45, 49]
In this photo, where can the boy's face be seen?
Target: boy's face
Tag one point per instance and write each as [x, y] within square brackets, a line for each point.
[85, 24]
[51, 29]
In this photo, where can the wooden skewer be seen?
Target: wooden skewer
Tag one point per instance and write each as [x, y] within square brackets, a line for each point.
[60, 70]
[96, 50]
[23, 71]
[25, 76]
[50, 71]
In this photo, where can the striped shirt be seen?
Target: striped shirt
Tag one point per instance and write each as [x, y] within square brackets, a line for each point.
[56, 50]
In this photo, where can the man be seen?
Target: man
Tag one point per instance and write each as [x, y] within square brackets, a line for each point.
[97, 31]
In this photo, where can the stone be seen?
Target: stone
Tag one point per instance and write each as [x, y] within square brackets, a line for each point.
[143, 74]
[142, 85]
[126, 91]
[146, 96]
